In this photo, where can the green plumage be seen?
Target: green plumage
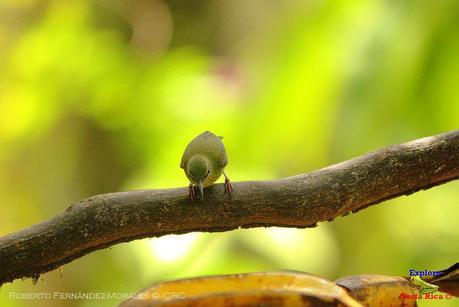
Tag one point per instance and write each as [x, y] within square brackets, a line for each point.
[204, 160]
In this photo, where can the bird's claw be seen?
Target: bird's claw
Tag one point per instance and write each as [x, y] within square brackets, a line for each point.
[228, 187]
[191, 192]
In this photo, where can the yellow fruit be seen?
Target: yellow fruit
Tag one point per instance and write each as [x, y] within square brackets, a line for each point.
[379, 290]
[253, 289]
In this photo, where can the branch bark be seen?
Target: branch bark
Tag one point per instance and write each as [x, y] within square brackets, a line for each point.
[299, 201]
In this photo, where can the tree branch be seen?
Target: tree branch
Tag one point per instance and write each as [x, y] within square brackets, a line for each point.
[299, 201]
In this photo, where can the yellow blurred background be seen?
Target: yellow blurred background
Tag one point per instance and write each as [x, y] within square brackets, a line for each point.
[102, 96]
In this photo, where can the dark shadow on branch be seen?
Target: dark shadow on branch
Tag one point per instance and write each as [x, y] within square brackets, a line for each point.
[299, 201]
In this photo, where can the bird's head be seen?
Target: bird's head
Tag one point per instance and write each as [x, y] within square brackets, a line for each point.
[198, 169]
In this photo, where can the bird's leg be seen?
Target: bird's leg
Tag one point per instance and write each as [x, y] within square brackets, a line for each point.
[228, 186]
[191, 192]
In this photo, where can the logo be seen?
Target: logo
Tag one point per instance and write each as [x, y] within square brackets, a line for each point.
[413, 272]
[423, 290]
[423, 287]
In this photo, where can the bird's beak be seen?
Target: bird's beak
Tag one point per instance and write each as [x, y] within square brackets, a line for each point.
[201, 192]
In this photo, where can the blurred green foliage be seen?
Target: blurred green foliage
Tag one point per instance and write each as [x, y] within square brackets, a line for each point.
[102, 96]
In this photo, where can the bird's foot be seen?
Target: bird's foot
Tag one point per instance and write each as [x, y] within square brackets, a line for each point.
[228, 187]
[191, 192]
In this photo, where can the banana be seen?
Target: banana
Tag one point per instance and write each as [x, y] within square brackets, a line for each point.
[379, 290]
[252, 289]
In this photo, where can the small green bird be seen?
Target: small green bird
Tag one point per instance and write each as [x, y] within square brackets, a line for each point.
[204, 161]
